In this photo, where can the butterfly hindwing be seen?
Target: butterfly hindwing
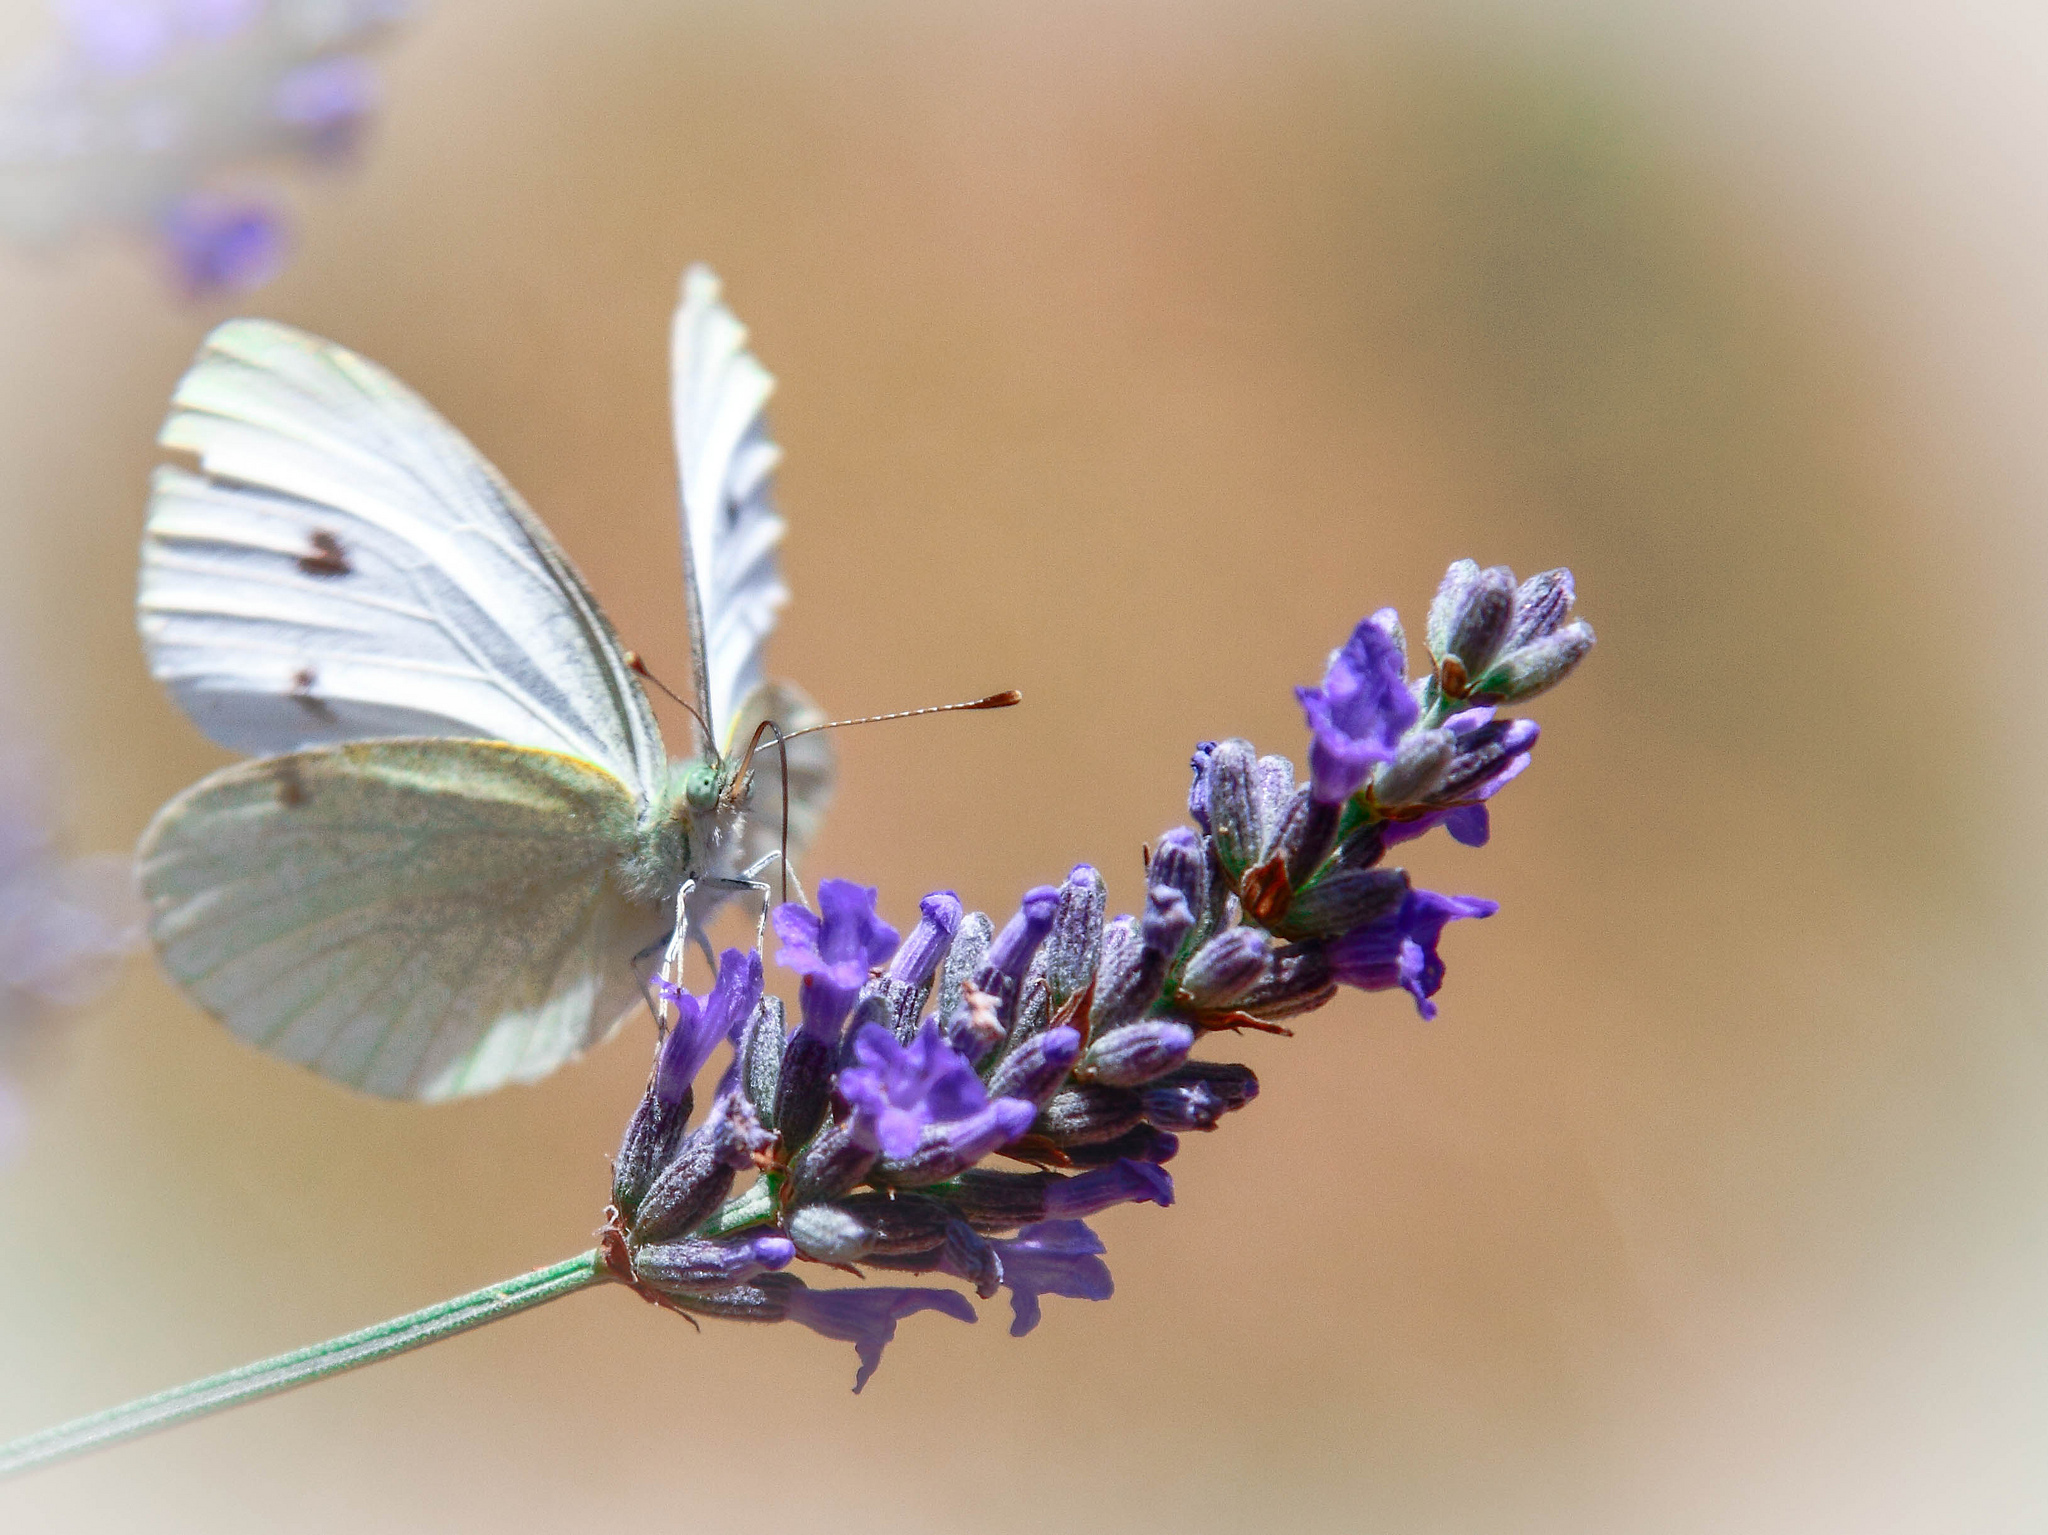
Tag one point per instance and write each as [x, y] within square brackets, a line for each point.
[416, 918]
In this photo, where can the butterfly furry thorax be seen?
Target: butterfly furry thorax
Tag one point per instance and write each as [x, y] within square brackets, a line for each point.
[463, 831]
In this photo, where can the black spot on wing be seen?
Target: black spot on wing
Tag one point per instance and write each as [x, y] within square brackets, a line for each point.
[326, 558]
[303, 682]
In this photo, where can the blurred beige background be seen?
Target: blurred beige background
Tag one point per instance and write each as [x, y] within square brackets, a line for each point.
[1129, 352]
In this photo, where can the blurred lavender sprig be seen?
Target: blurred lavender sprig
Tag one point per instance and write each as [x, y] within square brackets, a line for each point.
[1065, 1041]
[65, 921]
[137, 114]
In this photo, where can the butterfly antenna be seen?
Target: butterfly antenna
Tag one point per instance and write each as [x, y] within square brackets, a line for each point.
[640, 667]
[1002, 700]
[739, 778]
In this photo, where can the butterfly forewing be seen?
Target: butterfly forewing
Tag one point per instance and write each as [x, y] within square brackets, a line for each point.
[347, 566]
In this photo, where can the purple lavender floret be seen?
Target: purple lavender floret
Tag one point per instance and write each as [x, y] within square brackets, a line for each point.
[1400, 949]
[1120, 1183]
[1057, 1257]
[1359, 713]
[867, 1318]
[701, 1026]
[833, 949]
[896, 1091]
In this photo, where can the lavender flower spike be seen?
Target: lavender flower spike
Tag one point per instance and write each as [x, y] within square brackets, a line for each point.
[1051, 1258]
[1358, 714]
[867, 1318]
[1400, 949]
[895, 1091]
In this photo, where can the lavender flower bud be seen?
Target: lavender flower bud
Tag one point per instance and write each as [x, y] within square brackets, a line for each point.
[1300, 981]
[1181, 862]
[804, 1090]
[1303, 835]
[946, 1149]
[648, 1144]
[963, 1254]
[1198, 790]
[971, 943]
[1224, 969]
[1136, 1053]
[830, 1234]
[1130, 980]
[1416, 769]
[1274, 777]
[976, 1027]
[1541, 604]
[1035, 1069]
[1199, 1094]
[1469, 619]
[835, 1159]
[995, 1201]
[1140, 1143]
[1337, 903]
[1088, 1112]
[1075, 942]
[1490, 752]
[1002, 971]
[938, 920]
[1119, 1183]
[697, 1181]
[698, 1264]
[758, 1064]
[764, 1299]
[1536, 667]
[1234, 807]
[899, 1223]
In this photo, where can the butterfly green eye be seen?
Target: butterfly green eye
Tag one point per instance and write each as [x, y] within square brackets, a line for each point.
[700, 785]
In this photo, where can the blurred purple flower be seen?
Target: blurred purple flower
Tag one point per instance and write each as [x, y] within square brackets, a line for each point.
[223, 245]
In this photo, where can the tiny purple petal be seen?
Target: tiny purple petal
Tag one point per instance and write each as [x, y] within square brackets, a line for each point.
[1400, 949]
[330, 99]
[833, 951]
[1358, 714]
[1060, 1257]
[938, 920]
[896, 1091]
[1469, 824]
[867, 1318]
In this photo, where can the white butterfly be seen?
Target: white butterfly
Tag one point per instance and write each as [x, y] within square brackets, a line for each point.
[464, 827]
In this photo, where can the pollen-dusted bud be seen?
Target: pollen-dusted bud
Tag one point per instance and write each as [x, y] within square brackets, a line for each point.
[1536, 667]
[1339, 902]
[1140, 1143]
[764, 1299]
[1036, 1068]
[1470, 618]
[1224, 969]
[1235, 813]
[830, 1234]
[1075, 942]
[696, 1265]
[1087, 1112]
[1136, 1053]
[697, 1181]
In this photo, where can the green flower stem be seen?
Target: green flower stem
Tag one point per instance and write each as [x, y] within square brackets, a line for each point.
[233, 1387]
